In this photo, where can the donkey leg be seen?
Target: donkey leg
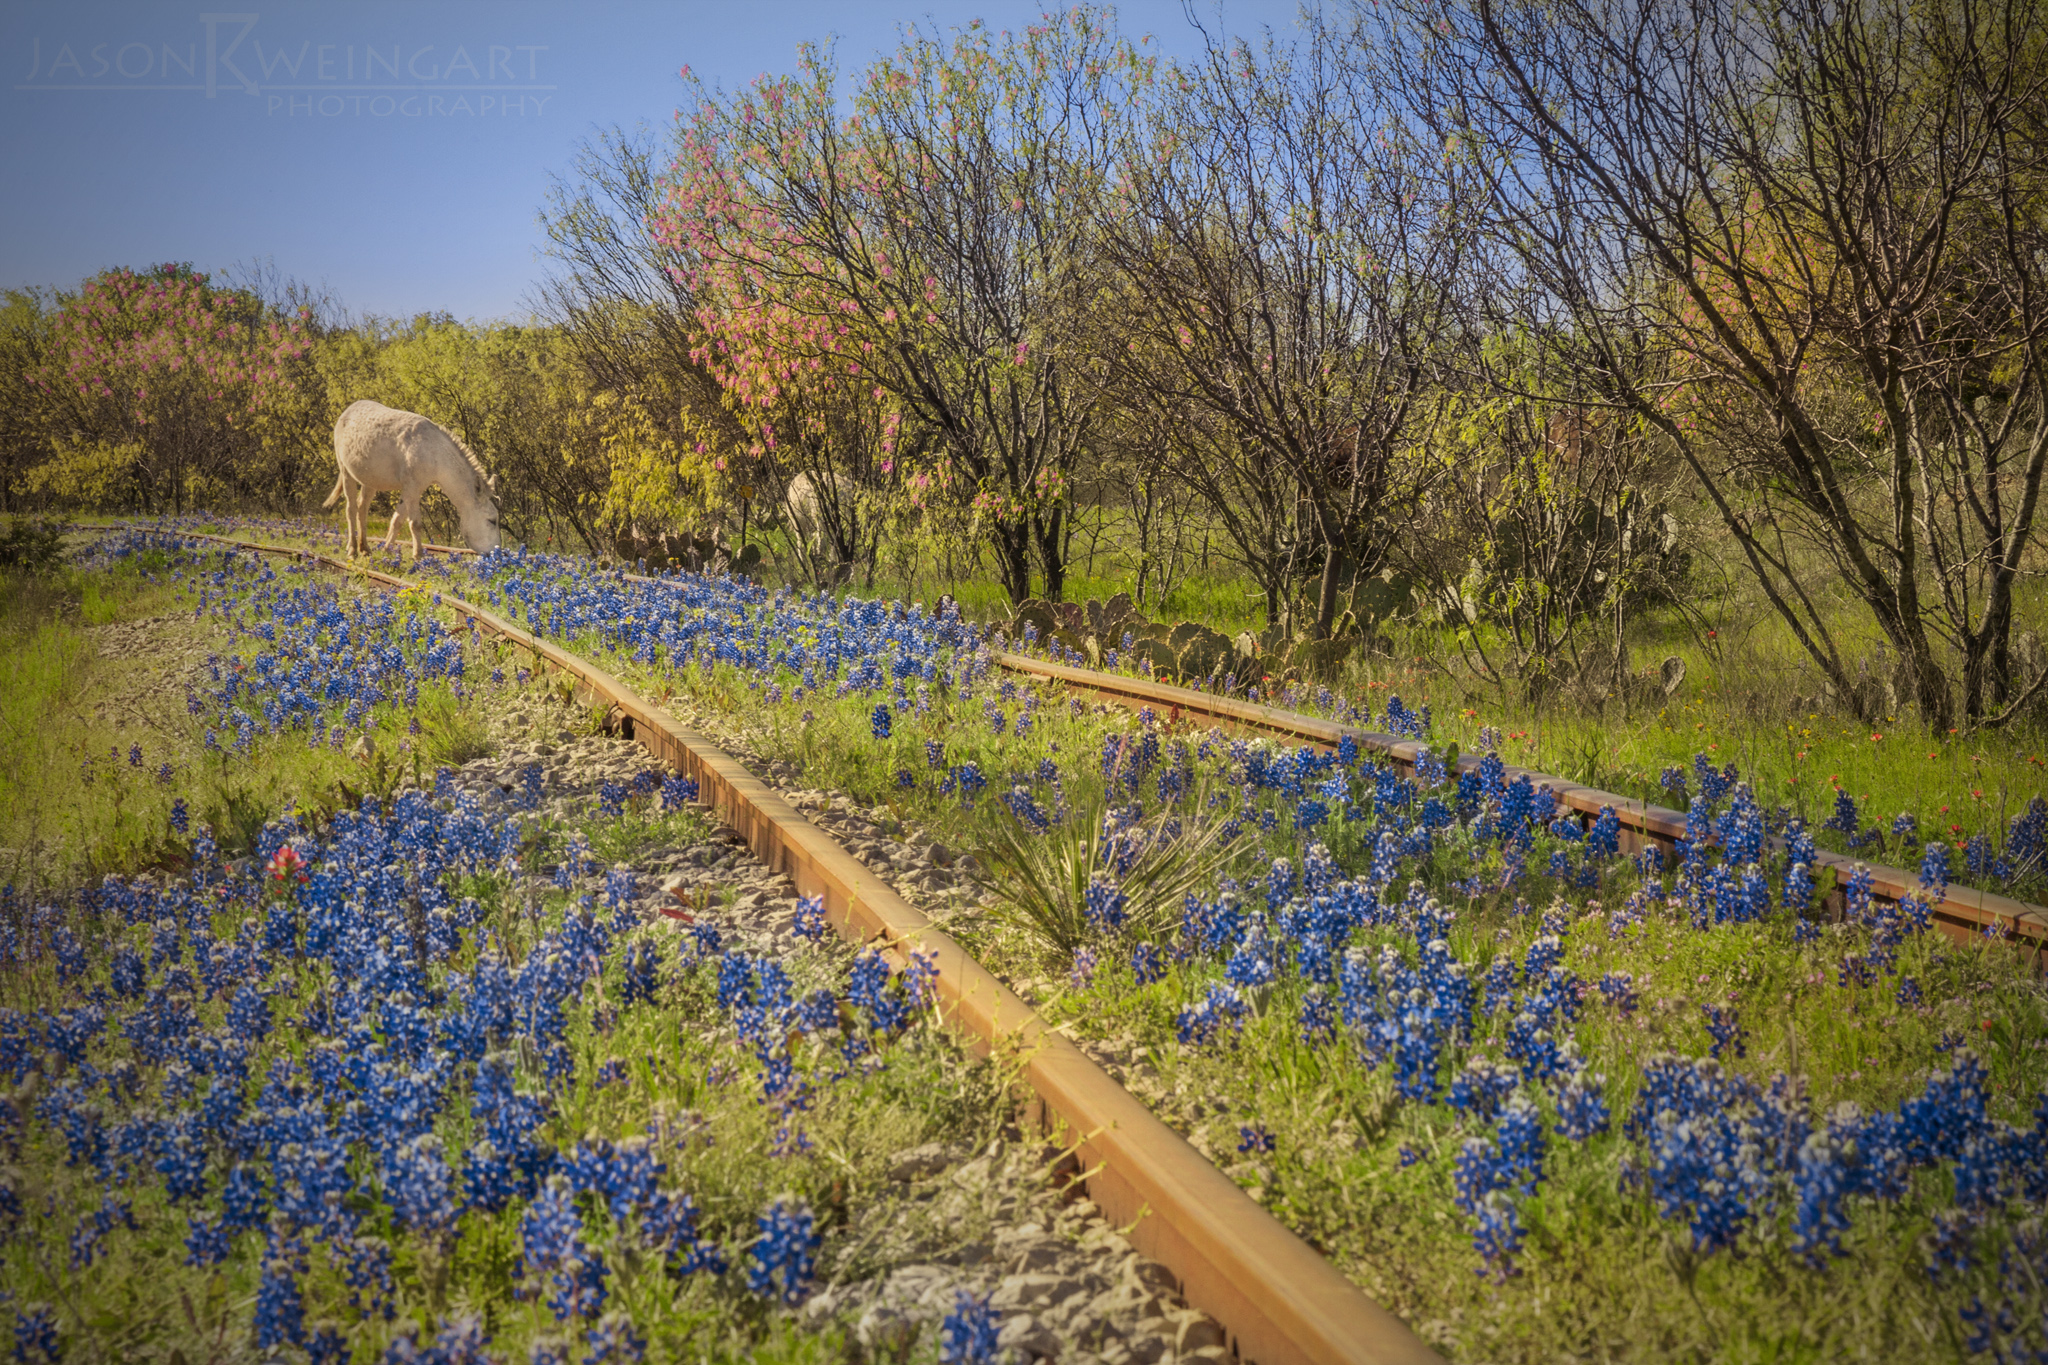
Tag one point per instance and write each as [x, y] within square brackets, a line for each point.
[409, 508]
[352, 499]
[362, 519]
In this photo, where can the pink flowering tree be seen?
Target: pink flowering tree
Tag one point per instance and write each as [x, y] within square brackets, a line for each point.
[932, 245]
[162, 379]
[796, 382]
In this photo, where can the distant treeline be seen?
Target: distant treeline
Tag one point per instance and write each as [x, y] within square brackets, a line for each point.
[1495, 315]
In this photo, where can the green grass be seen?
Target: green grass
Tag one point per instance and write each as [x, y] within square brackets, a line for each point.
[1605, 1276]
[685, 1072]
[71, 811]
[687, 1077]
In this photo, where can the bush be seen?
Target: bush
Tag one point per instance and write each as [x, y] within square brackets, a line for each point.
[35, 545]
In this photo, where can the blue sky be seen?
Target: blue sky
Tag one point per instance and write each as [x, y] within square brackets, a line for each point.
[392, 153]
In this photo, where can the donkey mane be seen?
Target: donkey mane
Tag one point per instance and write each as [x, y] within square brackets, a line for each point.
[476, 466]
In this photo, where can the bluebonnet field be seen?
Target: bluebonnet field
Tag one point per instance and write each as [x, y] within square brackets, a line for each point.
[416, 1080]
[1534, 1094]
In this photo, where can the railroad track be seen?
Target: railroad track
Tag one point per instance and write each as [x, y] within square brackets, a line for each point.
[1964, 914]
[1279, 1299]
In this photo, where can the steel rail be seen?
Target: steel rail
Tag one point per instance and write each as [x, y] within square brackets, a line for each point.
[1278, 1298]
[1963, 914]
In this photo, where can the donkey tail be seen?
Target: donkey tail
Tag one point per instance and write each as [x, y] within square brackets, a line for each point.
[340, 480]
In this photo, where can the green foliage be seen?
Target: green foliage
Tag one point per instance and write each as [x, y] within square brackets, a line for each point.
[1040, 881]
[451, 731]
[33, 544]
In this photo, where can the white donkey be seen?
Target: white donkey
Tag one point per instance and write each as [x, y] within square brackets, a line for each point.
[380, 450]
[808, 511]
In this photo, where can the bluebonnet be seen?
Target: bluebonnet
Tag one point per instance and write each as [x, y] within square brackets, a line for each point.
[1221, 1010]
[967, 1334]
[1081, 974]
[614, 1340]
[416, 1180]
[783, 1257]
[810, 919]
[280, 1315]
[552, 1249]
[1934, 868]
[1521, 1145]
[1252, 964]
[1317, 1016]
[1726, 1030]
[1481, 1087]
[1105, 903]
[642, 972]
[1480, 1181]
[1581, 1110]
[1844, 817]
[36, 1341]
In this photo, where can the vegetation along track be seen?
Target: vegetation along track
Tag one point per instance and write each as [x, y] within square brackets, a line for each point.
[1962, 912]
[1277, 1297]
[1324, 1159]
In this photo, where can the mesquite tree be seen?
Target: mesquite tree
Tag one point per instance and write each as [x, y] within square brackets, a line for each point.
[157, 379]
[1294, 271]
[1808, 244]
[803, 412]
[946, 223]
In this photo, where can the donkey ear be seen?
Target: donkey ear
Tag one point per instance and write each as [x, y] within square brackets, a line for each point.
[492, 483]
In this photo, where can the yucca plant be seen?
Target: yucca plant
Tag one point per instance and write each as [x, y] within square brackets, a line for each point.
[1043, 874]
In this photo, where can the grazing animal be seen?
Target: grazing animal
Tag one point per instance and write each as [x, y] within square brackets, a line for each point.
[379, 449]
[804, 503]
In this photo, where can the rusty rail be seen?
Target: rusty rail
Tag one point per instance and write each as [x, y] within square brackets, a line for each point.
[1278, 1298]
[1964, 914]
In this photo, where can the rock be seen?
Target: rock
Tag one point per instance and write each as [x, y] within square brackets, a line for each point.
[1035, 1256]
[1029, 1338]
[1126, 1301]
[938, 854]
[911, 1279]
[1150, 1342]
[1071, 1314]
[1195, 1331]
[1150, 1276]
[968, 1254]
[1671, 674]
[1031, 1291]
[885, 1332]
[918, 1163]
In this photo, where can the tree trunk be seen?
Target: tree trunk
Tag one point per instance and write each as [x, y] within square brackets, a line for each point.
[1053, 556]
[1013, 556]
[1326, 592]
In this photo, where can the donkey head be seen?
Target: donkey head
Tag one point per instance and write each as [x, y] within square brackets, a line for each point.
[480, 515]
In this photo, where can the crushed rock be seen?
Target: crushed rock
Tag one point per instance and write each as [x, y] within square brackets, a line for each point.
[1069, 1286]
